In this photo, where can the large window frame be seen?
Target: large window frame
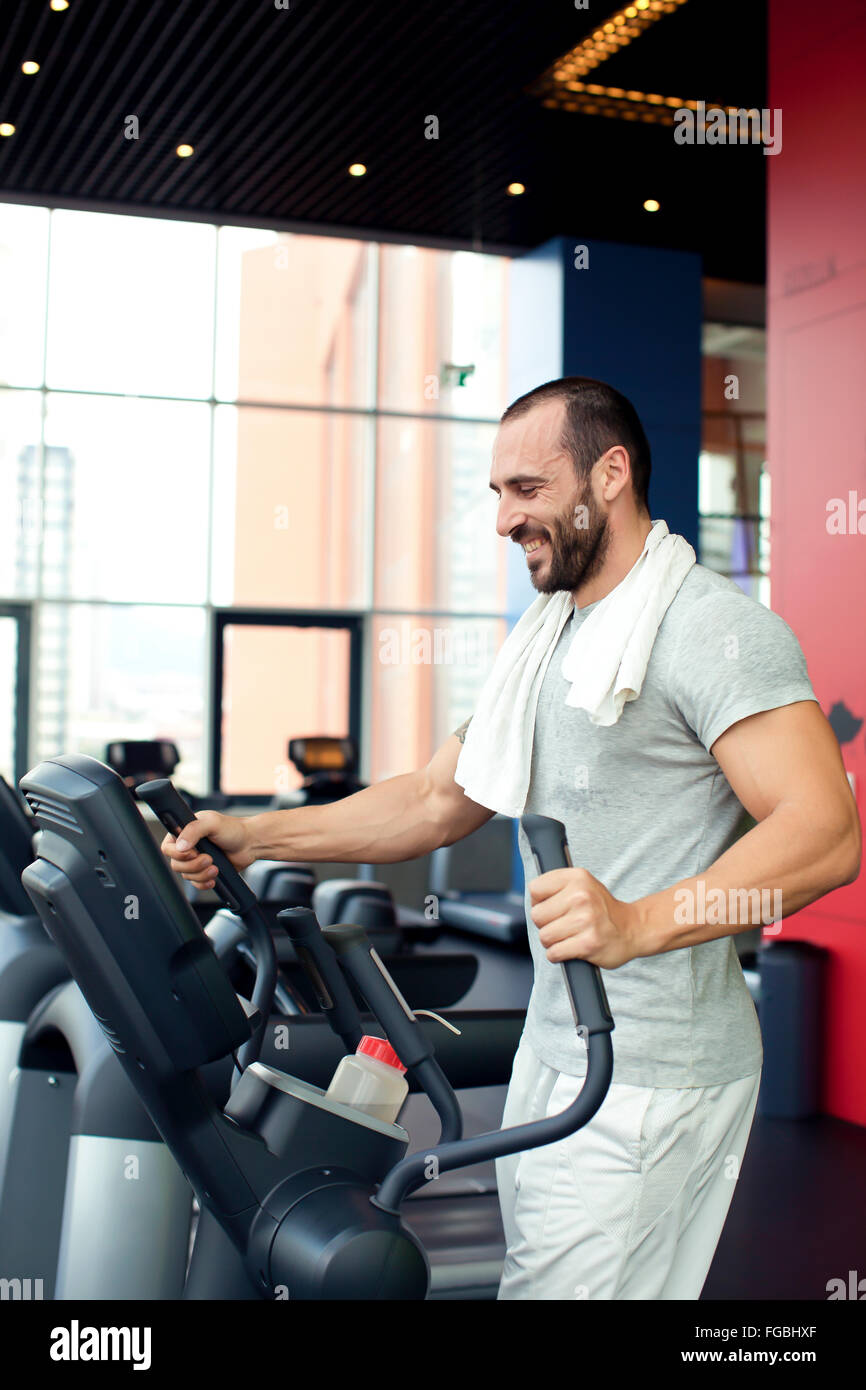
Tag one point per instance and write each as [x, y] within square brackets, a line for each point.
[279, 618]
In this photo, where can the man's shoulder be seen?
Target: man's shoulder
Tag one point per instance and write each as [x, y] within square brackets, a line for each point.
[701, 583]
[708, 605]
[705, 594]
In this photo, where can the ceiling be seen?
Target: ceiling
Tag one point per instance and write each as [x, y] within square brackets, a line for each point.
[278, 102]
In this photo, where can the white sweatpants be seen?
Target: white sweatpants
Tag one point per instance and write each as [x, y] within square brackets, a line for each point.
[632, 1205]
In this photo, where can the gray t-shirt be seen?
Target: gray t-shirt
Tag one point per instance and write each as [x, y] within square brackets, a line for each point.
[645, 805]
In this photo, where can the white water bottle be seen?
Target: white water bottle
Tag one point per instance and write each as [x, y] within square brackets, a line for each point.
[371, 1079]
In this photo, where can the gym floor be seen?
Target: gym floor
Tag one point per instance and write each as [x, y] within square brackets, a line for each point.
[798, 1218]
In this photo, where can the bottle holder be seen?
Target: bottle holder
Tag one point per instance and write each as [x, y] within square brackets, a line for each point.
[298, 1120]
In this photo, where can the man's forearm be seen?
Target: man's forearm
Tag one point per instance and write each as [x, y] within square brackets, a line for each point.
[781, 865]
[383, 824]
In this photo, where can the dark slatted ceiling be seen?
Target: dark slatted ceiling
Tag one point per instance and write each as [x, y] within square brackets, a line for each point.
[278, 103]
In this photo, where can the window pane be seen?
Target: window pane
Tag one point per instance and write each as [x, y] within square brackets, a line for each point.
[23, 281]
[108, 672]
[426, 678]
[8, 674]
[125, 505]
[436, 540]
[734, 368]
[131, 305]
[442, 321]
[733, 479]
[279, 683]
[20, 443]
[735, 547]
[295, 319]
[291, 512]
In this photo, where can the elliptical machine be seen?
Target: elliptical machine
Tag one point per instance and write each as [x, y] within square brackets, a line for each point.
[304, 1196]
[68, 1121]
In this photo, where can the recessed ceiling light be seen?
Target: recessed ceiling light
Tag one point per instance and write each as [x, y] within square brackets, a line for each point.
[356, 170]
[6, 128]
[60, 4]
[651, 205]
[515, 189]
[184, 151]
[29, 67]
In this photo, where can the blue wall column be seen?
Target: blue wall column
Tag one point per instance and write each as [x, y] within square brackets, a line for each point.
[630, 316]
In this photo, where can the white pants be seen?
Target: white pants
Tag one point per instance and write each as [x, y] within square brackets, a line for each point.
[632, 1205]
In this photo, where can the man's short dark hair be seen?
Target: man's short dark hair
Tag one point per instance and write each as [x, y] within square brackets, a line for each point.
[597, 417]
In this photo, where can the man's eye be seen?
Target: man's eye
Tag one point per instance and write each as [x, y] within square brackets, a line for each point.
[528, 491]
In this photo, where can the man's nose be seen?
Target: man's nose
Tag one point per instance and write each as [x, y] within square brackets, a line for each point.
[510, 517]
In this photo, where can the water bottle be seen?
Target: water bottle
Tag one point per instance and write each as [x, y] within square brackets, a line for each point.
[371, 1079]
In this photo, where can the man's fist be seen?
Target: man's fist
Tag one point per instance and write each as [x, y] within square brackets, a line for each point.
[579, 919]
[228, 832]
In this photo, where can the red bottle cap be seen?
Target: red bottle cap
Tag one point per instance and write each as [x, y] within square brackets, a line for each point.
[382, 1050]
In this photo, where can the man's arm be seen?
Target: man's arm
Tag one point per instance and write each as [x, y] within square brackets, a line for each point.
[400, 818]
[786, 770]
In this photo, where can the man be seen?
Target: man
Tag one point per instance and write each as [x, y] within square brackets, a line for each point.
[647, 733]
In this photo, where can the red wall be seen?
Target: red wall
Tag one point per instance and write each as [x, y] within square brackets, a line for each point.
[816, 291]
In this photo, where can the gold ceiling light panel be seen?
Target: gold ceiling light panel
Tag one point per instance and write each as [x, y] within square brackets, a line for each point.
[564, 84]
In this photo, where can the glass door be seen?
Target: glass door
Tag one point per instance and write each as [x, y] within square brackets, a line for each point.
[277, 677]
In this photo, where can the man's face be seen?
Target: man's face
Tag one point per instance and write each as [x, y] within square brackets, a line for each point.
[542, 506]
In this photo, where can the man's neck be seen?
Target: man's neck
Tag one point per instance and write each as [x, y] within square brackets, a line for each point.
[623, 555]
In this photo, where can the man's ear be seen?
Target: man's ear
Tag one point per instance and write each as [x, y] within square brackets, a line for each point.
[615, 468]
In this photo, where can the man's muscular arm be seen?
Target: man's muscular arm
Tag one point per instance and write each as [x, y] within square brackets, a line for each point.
[400, 818]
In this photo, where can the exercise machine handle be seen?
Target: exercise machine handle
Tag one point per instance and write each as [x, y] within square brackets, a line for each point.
[363, 965]
[333, 994]
[171, 809]
[169, 806]
[592, 1015]
[548, 846]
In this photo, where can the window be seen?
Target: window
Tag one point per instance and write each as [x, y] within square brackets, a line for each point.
[199, 425]
[114, 671]
[130, 305]
[734, 485]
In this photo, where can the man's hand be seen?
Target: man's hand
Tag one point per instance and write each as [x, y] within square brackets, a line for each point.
[231, 834]
[578, 918]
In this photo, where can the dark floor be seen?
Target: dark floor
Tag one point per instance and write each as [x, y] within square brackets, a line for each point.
[798, 1216]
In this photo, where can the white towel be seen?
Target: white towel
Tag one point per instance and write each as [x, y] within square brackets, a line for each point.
[604, 666]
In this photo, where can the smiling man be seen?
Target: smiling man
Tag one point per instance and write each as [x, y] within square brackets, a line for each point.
[718, 717]
[645, 702]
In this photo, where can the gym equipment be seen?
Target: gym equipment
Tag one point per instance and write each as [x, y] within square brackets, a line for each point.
[70, 1121]
[481, 864]
[139, 760]
[792, 1018]
[287, 1185]
[277, 881]
[82, 1145]
[329, 771]
[435, 981]
[328, 767]
[30, 966]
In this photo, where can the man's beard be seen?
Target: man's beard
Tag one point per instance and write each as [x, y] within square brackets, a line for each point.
[578, 547]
